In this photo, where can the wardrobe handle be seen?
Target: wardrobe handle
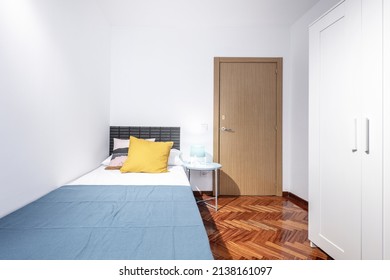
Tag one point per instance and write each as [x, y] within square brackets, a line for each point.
[354, 148]
[367, 150]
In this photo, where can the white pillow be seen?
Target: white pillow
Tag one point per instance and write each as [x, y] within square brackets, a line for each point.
[107, 161]
[119, 156]
[174, 157]
[121, 143]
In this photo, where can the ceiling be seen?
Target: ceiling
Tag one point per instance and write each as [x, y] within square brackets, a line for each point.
[229, 13]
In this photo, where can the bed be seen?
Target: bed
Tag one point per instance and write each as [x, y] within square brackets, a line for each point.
[104, 215]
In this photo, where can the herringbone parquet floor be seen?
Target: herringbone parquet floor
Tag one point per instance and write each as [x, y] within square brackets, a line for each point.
[258, 227]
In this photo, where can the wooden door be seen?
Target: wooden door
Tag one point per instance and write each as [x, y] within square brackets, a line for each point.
[335, 146]
[248, 125]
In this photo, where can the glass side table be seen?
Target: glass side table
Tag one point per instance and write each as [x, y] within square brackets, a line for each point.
[210, 166]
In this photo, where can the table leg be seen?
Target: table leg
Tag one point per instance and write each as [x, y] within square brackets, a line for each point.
[216, 190]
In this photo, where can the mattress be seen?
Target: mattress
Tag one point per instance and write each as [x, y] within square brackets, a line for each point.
[107, 222]
[99, 176]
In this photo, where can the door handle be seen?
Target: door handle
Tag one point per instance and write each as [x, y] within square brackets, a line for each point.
[367, 149]
[354, 147]
[226, 129]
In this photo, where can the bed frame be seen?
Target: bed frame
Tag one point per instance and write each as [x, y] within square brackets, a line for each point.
[161, 134]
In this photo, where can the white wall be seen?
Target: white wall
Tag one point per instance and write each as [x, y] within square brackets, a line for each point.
[54, 95]
[163, 76]
[296, 161]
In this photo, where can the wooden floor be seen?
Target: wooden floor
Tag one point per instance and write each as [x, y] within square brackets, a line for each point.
[253, 227]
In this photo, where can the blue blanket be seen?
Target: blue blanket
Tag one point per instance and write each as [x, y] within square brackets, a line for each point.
[107, 222]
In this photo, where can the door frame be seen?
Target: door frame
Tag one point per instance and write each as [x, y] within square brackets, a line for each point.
[279, 114]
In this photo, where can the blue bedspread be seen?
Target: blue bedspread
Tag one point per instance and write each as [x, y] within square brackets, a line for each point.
[107, 222]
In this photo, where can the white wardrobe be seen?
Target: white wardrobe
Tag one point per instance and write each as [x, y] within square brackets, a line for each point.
[349, 131]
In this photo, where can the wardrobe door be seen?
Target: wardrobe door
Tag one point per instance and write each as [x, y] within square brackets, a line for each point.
[386, 138]
[334, 128]
[372, 134]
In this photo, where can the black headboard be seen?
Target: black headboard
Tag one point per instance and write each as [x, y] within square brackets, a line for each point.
[161, 134]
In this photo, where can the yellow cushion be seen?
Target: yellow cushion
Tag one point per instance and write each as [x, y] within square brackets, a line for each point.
[146, 156]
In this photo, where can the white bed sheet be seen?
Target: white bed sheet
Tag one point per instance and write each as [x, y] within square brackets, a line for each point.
[99, 176]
